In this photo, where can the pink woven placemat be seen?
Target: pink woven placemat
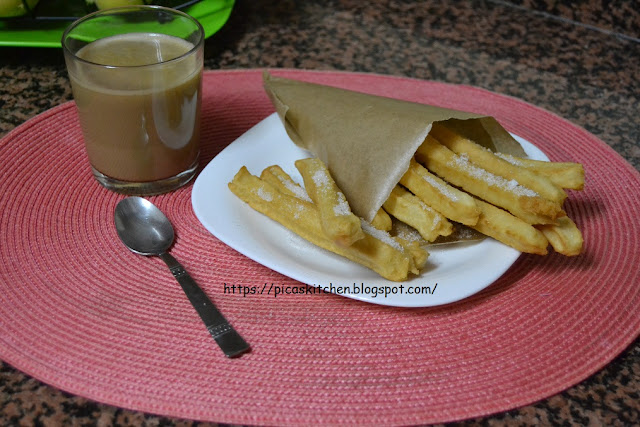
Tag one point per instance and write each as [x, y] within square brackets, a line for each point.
[80, 312]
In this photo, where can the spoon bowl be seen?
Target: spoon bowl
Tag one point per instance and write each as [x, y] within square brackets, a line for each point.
[142, 227]
[145, 230]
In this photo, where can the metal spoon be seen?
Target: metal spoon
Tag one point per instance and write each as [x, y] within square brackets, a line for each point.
[145, 230]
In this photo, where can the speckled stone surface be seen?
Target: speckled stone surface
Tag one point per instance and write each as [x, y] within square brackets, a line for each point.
[580, 60]
[619, 17]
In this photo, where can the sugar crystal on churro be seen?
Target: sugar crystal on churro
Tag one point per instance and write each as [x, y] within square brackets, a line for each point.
[342, 208]
[440, 187]
[381, 235]
[264, 195]
[295, 189]
[509, 159]
[462, 161]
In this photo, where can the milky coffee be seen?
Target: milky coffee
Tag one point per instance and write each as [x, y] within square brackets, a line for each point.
[140, 121]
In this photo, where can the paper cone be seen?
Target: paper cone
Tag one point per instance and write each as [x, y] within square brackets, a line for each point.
[366, 141]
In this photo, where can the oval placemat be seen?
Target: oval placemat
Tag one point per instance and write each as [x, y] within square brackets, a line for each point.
[80, 312]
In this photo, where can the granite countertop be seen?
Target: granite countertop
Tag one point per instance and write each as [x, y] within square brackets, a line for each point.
[574, 59]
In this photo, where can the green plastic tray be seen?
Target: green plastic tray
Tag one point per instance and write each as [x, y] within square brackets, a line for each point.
[212, 14]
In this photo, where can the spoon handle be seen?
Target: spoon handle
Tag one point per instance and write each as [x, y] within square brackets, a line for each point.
[231, 343]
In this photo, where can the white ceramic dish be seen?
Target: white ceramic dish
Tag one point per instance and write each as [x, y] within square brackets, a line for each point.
[453, 272]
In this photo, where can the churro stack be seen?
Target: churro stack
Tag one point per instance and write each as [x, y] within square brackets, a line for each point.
[380, 162]
[321, 214]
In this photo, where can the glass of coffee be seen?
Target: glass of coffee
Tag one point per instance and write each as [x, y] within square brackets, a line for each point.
[136, 77]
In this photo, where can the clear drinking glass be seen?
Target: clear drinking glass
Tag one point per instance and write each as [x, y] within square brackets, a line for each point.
[136, 76]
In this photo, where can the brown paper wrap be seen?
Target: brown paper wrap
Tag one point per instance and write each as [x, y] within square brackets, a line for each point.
[367, 141]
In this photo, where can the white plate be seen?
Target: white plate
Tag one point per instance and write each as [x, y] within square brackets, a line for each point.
[453, 272]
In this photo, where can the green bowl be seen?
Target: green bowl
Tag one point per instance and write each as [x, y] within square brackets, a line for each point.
[47, 31]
